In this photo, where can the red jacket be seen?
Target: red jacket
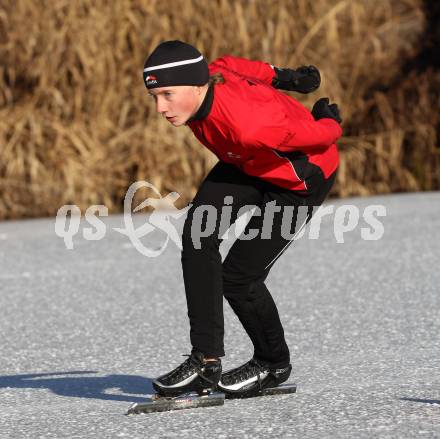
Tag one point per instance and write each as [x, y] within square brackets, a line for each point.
[263, 131]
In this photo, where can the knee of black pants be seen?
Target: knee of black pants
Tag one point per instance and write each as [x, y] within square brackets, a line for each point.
[240, 286]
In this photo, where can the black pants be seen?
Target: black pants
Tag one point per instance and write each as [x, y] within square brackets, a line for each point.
[240, 278]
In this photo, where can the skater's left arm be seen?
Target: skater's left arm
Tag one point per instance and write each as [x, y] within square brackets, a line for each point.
[324, 130]
[284, 134]
[310, 133]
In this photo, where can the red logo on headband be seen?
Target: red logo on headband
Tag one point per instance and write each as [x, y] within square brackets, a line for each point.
[150, 78]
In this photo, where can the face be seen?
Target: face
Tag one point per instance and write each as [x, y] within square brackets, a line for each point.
[176, 103]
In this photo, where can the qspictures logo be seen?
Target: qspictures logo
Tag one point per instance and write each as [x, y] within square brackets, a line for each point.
[205, 218]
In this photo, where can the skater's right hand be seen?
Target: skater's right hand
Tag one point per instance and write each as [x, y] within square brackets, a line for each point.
[322, 109]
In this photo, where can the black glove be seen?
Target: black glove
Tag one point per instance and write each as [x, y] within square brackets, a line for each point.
[305, 79]
[322, 109]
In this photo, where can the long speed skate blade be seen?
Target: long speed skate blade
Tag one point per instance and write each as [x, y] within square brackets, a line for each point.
[282, 389]
[188, 401]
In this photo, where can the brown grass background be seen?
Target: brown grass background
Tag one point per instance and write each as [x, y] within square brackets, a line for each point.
[76, 126]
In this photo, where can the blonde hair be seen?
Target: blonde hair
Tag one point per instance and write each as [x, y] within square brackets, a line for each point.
[216, 78]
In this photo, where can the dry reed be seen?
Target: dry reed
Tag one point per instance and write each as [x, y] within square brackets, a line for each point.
[76, 125]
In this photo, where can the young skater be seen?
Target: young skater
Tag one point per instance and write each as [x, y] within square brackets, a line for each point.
[272, 152]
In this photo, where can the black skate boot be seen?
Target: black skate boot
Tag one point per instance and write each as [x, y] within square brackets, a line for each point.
[251, 379]
[193, 375]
